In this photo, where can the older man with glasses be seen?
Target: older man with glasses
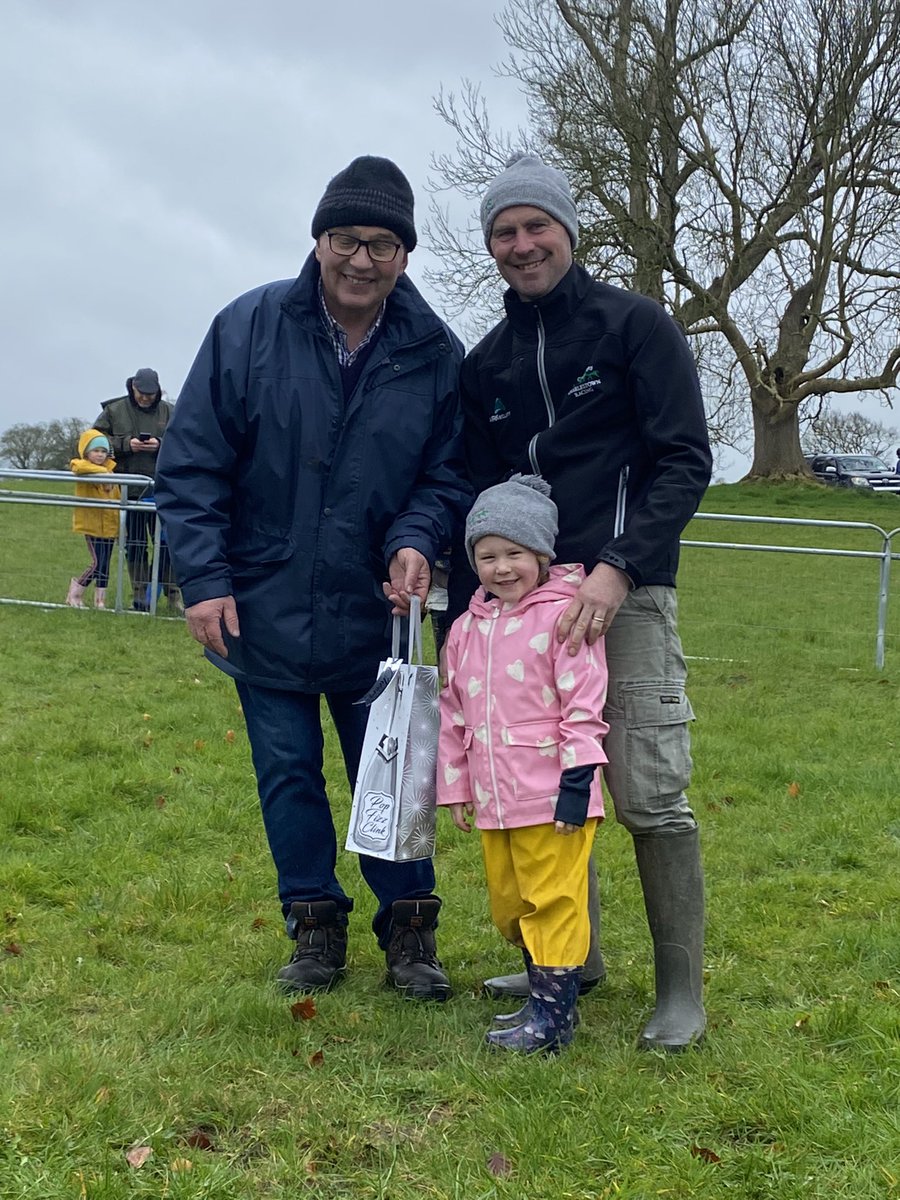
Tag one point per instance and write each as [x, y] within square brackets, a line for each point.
[313, 466]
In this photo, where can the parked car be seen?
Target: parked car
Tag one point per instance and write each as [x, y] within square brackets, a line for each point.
[854, 470]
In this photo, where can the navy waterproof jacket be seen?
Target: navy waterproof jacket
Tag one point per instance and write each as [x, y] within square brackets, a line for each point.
[276, 490]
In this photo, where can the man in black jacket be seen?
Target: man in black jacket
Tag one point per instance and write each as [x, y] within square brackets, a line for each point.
[595, 388]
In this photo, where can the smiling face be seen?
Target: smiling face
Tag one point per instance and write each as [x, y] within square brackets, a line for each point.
[505, 568]
[531, 249]
[355, 287]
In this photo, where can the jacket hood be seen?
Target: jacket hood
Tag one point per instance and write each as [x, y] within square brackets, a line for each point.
[564, 581]
[86, 438]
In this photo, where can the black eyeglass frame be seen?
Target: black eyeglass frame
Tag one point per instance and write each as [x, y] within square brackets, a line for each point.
[361, 242]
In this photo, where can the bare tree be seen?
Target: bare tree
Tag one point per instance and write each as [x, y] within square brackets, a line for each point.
[737, 160]
[848, 433]
[45, 446]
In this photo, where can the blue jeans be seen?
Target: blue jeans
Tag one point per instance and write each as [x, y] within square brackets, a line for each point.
[285, 731]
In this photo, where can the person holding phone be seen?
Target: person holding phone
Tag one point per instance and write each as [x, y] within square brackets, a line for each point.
[135, 424]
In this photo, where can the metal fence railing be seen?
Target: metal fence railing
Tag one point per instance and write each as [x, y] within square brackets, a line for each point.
[30, 550]
[812, 594]
[37, 557]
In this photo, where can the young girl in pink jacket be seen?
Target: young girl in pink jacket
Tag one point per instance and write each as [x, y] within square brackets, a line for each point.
[521, 738]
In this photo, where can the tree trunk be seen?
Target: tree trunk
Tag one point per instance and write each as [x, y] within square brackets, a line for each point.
[776, 439]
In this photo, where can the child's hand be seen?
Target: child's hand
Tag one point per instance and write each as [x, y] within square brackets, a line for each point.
[459, 813]
[564, 827]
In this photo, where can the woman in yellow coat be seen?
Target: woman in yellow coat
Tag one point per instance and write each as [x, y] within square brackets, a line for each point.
[100, 526]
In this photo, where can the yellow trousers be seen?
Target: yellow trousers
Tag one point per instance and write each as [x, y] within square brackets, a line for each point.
[538, 880]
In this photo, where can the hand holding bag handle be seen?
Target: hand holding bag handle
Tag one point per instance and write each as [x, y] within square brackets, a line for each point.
[413, 645]
[414, 634]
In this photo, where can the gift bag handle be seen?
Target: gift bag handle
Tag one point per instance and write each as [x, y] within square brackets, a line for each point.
[414, 637]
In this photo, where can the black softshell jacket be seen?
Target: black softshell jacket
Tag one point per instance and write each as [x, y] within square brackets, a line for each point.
[594, 388]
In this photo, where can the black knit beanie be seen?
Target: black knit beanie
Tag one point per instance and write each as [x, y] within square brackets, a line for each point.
[371, 191]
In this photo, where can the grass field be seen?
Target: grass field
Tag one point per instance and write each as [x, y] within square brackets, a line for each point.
[139, 1024]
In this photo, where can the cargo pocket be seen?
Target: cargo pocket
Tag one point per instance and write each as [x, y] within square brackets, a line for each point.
[648, 746]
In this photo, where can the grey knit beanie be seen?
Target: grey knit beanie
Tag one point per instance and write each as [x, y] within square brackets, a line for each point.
[527, 180]
[371, 191]
[520, 510]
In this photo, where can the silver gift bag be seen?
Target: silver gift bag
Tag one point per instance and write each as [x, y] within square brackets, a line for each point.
[393, 813]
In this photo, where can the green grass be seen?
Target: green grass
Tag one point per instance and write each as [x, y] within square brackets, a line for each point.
[141, 934]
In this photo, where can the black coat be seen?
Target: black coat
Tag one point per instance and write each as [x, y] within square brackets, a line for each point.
[596, 389]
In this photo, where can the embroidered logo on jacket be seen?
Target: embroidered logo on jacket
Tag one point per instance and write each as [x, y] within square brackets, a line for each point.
[500, 413]
[588, 381]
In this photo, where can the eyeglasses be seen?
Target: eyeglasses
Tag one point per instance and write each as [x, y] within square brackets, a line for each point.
[379, 249]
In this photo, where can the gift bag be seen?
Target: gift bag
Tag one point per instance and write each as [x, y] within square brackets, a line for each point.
[393, 813]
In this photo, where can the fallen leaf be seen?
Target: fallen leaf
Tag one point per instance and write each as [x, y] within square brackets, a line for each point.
[801, 1021]
[176, 770]
[146, 716]
[258, 923]
[229, 872]
[13, 948]
[317, 1059]
[705, 1153]
[303, 1010]
[199, 744]
[793, 790]
[137, 1155]
[102, 1095]
[160, 802]
[311, 1168]
[499, 1165]
[148, 739]
[182, 1164]
[229, 736]
[199, 1139]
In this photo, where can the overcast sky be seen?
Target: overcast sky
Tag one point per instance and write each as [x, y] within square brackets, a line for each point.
[163, 158]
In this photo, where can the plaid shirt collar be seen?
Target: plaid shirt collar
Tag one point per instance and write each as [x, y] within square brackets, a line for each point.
[338, 335]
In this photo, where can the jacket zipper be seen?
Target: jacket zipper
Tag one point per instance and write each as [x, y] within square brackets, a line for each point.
[487, 718]
[545, 391]
[621, 496]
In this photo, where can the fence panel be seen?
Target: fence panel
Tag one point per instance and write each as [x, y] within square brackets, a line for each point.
[821, 594]
[40, 553]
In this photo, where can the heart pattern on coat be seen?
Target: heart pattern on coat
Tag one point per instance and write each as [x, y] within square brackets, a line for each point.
[516, 670]
[513, 625]
[540, 642]
[474, 686]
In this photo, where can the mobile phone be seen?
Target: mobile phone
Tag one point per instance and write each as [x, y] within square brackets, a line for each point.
[144, 437]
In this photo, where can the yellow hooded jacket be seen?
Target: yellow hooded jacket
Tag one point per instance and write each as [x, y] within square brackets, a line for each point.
[97, 522]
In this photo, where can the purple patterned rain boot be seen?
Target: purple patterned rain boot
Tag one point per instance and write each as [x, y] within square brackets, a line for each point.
[551, 1022]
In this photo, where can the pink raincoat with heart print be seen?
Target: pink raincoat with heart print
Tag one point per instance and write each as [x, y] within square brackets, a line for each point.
[518, 709]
